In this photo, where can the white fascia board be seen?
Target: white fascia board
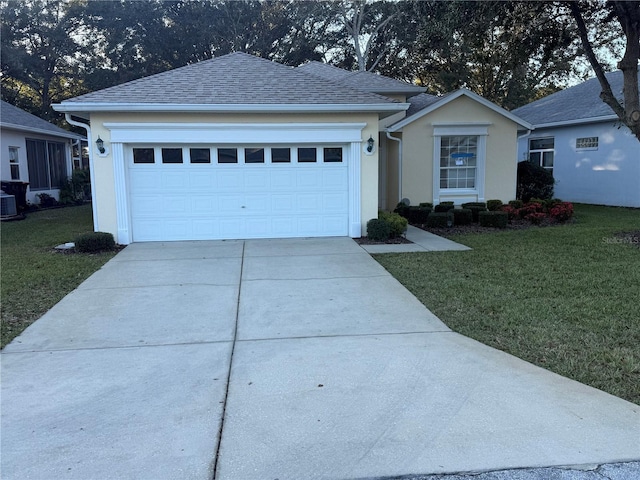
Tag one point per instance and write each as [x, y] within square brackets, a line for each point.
[578, 121]
[41, 131]
[74, 107]
[449, 98]
[235, 133]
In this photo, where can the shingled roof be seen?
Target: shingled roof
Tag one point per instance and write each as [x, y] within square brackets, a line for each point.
[236, 79]
[579, 104]
[17, 119]
[365, 81]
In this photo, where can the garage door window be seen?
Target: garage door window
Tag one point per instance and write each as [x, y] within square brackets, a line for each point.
[306, 155]
[227, 155]
[254, 155]
[281, 155]
[143, 155]
[200, 155]
[333, 155]
[171, 155]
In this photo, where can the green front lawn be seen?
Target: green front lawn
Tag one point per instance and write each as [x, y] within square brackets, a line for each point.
[34, 277]
[565, 298]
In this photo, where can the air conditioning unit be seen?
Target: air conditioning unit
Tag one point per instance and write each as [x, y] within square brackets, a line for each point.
[7, 205]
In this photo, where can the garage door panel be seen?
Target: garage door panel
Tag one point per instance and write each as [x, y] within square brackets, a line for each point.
[226, 201]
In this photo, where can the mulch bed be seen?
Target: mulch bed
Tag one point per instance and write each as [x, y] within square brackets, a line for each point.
[516, 224]
[391, 241]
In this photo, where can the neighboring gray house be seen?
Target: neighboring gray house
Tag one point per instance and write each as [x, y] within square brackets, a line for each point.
[34, 151]
[594, 158]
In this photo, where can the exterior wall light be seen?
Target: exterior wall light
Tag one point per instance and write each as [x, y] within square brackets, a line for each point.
[370, 144]
[100, 145]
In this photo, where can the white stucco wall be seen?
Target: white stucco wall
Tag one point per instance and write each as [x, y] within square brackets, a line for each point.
[608, 175]
[104, 174]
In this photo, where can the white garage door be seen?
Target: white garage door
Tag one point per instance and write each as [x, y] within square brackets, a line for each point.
[208, 192]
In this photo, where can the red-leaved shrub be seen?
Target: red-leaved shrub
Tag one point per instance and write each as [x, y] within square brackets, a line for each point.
[561, 212]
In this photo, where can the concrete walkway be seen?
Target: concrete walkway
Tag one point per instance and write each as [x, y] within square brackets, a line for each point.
[287, 359]
[422, 242]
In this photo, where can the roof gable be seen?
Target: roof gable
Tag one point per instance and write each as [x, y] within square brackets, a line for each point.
[17, 119]
[424, 104]
[233, 79]
[578, 104]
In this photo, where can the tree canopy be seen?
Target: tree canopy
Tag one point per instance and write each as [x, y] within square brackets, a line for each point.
[509, 52]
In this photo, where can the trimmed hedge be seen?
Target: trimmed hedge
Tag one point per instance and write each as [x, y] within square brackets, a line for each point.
[476, 208]
[493, 205]
[444, 207]
[440, 219]
[397, 223]
[94, 242]
[417, 215]
[462, 216]
[533, 181]
[378, 230]
[493, 219]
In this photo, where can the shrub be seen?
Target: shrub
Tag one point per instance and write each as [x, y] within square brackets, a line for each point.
[493, 205]
[94, 242]
[397, 223]
[476, 208]
[378, 230]
[516, 204]
[462, 216]
[493, 219]
[77, 188]
[561, 212]
[536, 218]
[529, 208]
[512, 212]
[533, 181]
[440, 219]
[418, 215]
[46, 200]
[550, 203]
[444, 207]
[427, 205]
[402, 209]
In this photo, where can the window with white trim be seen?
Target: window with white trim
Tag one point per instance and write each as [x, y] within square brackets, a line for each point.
[590, 143]
[14, 163]
[47, 164]
[541, 152]
[458, 161]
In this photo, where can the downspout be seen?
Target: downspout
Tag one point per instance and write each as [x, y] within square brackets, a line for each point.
[525, 135]
[399, 162]
[87, 127]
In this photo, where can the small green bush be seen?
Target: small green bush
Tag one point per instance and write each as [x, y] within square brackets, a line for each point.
[444, 207]
[462, 216]
[397, 223]
[426, 205]
[493, 205]
[94, 242]
[418, 215]
[516, 203]
[402, 209]
[493, 219]
[476, 208]
[378, 230]
[440, 219]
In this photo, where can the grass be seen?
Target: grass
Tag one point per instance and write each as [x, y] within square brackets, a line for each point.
[564, 297]
[34, 277]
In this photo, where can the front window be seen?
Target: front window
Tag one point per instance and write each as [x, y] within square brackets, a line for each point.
[458, 162]
[14, 163]
[47, 164]
[541, 152]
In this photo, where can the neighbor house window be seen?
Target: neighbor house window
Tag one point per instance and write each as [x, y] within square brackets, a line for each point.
[47, 164]
[143, 155]
[587, 142]
[541, 152]
[14, 163]
[458, 161]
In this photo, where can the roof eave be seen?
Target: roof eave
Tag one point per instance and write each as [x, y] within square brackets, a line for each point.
[41, 131]
[79, 107]
[577, 121]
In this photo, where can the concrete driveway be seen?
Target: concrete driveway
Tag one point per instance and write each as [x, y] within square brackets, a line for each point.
[287, 359]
